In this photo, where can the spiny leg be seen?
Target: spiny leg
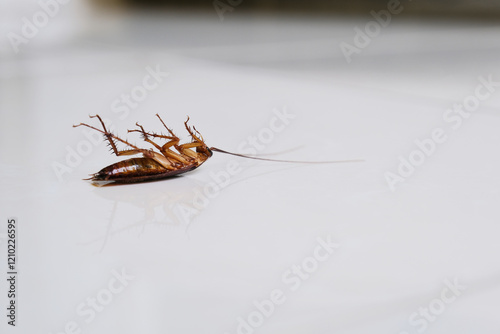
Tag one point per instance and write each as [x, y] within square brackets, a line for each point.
[169, 154]
[109, 136]
[166, 127]
[136, 150]
[145, 136]
[173, 141]
[180, 148]
[192, 133]
[185, 149]
[196, 141]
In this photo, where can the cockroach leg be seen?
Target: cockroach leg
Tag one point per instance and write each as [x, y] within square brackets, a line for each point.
[109, 136]
[165, 149]
[167, 156]
[145, 136]
[185, 149]
[168, 129]
[136, 150]
[191, 132]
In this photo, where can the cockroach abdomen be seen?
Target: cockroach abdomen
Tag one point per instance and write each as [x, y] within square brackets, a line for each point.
[135, 170]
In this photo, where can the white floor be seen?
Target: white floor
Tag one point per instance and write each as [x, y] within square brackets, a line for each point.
[242, 246]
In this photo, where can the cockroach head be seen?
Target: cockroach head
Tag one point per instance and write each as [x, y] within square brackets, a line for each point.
[196, 137]
[203, 148]
[208, 151]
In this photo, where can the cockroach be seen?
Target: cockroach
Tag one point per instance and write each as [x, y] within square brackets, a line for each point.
[166, 162]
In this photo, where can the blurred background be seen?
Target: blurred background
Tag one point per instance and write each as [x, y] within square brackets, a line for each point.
[295, 37]
[443, 8]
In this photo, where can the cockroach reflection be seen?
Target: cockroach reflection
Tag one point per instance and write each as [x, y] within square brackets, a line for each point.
[162, 164]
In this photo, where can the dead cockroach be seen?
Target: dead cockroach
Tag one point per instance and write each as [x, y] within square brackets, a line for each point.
[155, 166]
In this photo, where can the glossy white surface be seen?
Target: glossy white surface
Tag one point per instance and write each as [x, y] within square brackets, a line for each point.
[200, 263]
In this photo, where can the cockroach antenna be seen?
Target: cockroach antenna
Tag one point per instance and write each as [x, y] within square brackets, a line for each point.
[215, 149]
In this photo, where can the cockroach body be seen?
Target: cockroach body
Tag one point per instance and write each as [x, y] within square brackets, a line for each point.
[167, 163]
[136, 170]
[153, 165]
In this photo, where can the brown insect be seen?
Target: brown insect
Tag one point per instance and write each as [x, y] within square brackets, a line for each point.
[155, 166]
